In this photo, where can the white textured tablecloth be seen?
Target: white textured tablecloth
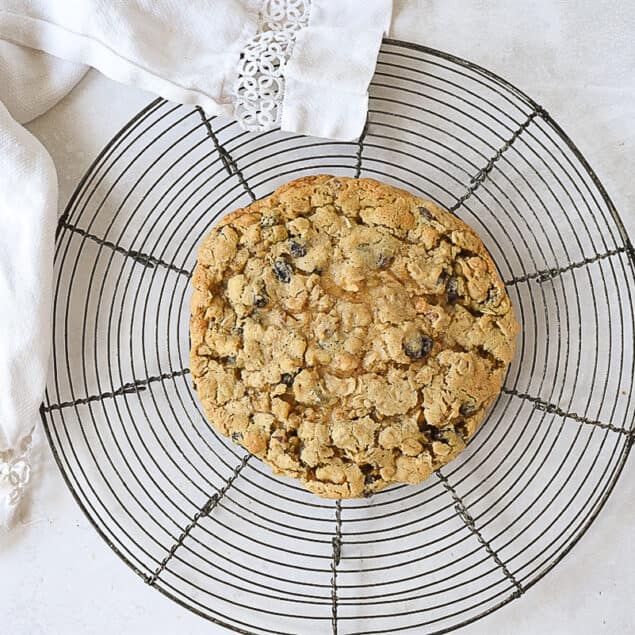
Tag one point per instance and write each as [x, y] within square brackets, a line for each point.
[576, 59]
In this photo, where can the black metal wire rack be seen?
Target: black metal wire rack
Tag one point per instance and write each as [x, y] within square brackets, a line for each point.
[209, 526]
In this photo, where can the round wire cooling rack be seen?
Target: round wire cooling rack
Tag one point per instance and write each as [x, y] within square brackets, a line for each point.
[209, 526]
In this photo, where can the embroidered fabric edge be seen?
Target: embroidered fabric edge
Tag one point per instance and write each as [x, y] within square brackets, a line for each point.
[260, 81]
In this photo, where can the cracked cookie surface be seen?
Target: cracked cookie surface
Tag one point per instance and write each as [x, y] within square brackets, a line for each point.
[348, 333]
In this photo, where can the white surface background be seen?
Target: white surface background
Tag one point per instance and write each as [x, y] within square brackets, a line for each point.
[575, 58]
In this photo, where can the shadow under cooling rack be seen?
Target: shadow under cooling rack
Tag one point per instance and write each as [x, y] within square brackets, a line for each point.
[209, 526]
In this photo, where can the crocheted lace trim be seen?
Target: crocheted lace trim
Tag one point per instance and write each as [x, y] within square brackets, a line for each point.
[259, 88]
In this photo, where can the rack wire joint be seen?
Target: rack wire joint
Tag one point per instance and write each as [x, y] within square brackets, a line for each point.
[227, 160]
[336, 543]
[483, 173]
[551, 408]
[205, 510]
[145, 259]
[360, 149]
[130, 388]
[549, 274]
[470, 523]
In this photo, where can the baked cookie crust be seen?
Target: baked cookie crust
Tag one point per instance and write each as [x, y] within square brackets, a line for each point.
[348, 333]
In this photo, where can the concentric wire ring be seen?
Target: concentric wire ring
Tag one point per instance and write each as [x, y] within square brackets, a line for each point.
[211, 527]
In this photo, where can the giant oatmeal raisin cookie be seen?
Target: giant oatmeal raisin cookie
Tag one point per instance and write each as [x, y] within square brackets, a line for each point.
[348, 333]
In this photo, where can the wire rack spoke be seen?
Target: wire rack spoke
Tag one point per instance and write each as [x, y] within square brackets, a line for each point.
[470, 523]
[479, 178]
[551, 408]
[228, 161]
[336, 543]
[360, 150]
[145, 259]
[129, 388]
[549, 274]
[205, 510]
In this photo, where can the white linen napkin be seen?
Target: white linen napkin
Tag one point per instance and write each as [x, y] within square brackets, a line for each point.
[331, 66]
[28, 204]
[302, 64]
[30, 83]
[231, 57]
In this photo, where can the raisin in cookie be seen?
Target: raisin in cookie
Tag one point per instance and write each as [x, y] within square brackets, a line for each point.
[348, 333]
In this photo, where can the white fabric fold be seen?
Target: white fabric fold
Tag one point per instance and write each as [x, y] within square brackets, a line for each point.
[28, 205]
[359, 15]
[184, 51]
[32, 82]
[331, 66]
